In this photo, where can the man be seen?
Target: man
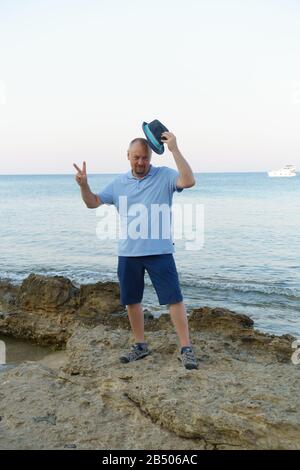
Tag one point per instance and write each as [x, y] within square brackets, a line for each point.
[145, 187]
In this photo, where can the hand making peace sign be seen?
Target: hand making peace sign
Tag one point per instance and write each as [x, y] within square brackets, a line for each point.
[81, 176]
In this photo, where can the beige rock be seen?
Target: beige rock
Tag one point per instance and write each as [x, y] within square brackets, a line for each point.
[245, 394]
[47, 309]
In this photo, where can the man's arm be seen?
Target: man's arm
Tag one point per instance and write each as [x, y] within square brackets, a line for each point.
[186, 177]
[91, 200]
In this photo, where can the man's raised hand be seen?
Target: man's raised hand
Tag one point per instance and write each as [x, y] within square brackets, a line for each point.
[81, 176]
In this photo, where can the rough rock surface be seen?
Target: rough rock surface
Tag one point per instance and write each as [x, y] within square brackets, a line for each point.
[245, 394]
[47, 309]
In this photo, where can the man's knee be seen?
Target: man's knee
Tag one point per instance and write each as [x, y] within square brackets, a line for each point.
[136, 306]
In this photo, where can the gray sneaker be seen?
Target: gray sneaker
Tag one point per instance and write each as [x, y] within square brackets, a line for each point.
[188, 359]
[135, 354]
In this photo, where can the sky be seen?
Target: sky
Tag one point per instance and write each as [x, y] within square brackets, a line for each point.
[78, 78]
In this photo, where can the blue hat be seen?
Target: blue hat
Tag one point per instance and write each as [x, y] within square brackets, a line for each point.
[153, 132]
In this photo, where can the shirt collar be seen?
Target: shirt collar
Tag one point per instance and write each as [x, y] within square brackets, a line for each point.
[150, 173]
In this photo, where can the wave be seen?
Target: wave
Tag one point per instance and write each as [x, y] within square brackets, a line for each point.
[81, 276]
[245, 287]
[77, 277]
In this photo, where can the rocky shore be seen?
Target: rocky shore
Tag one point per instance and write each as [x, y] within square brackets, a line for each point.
[245, 394]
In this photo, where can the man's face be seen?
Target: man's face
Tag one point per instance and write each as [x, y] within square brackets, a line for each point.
[140, 158]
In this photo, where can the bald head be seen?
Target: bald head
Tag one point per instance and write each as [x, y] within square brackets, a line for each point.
[139, 155]
[140, 141]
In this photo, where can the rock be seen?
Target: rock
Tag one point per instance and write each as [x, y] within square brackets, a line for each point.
[239, 336]
[90, 414]
[5, 367]
[102, 297]
[8, 294]
[245, 394]
[49, 418]
[45, 294]
[47, 309]
[147, 314]
[220, 319]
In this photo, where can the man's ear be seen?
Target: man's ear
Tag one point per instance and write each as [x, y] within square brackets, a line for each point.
[127, 154]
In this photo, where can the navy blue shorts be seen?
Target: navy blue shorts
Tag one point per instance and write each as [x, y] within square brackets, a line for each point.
[162, 272]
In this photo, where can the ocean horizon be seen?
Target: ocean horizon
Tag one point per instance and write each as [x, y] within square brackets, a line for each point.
[249, 263]
[119, 173]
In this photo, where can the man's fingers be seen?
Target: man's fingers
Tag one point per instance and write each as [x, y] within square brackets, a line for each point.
[84, 168]
[165, 135]
[78, 169]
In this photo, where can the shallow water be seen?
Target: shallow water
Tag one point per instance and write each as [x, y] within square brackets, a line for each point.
[18, 351]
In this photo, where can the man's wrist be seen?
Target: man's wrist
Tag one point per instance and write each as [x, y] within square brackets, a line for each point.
[175, 150]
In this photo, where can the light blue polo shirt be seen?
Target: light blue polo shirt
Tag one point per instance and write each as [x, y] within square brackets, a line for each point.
[144, 206]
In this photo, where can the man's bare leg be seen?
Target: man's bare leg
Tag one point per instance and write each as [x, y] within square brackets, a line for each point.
[140, 349]
[136, 319]
[180, 321]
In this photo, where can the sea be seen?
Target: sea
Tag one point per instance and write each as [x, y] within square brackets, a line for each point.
[247, 258]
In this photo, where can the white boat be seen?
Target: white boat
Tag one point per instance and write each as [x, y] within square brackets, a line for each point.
[287, 171]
